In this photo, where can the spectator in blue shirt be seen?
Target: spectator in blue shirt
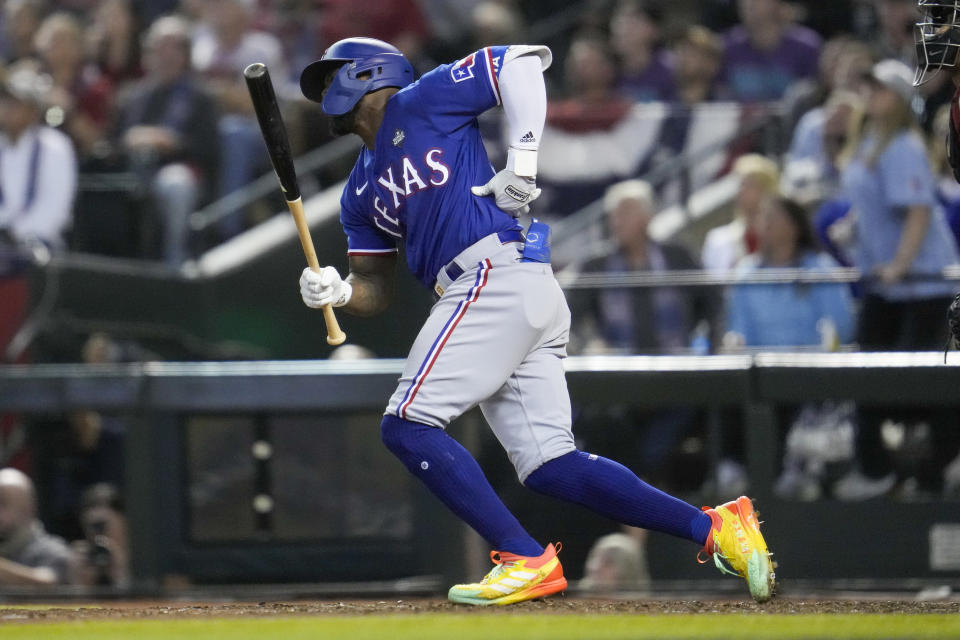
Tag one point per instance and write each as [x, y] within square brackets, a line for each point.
[902, 244]
[787, 314]
[900, 229]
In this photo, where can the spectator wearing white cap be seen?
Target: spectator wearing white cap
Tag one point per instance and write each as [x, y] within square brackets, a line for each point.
[900, 229]
[902, 243]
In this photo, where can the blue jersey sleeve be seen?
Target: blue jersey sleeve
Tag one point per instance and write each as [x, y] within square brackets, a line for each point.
[364, 236]
[454, 94]
[905, 173]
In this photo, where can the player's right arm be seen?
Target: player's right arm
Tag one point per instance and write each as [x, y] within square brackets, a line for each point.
[367, 290]
[372, 251]
[372, 280]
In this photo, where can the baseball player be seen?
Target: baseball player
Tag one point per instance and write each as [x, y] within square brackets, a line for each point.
[497, 334]
[938, 42]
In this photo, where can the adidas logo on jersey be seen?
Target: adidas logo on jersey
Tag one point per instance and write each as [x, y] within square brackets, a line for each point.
[528, 137]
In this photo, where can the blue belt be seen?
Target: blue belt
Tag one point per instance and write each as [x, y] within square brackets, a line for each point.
[454, 270]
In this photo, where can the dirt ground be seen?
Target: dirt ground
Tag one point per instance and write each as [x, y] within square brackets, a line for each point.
[551, 606]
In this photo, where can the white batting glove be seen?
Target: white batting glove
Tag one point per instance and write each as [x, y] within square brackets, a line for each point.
[513, 193]
[318, 289]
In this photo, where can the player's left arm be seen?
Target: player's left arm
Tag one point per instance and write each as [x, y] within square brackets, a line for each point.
[524, 98]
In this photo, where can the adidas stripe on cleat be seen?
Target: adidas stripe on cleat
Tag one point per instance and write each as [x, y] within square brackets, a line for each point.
[514, 579]
[738, 547]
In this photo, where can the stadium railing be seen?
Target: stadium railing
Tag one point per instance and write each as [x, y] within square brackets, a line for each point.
[908, 542]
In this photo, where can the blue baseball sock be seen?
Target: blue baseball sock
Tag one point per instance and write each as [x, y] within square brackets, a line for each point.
[612, 490]
[451, 473]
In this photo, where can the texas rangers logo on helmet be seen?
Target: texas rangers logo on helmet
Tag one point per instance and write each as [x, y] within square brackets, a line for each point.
[462, 70]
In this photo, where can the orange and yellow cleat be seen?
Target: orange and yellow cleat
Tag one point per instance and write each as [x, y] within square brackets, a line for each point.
[514, 579]
[738, 547]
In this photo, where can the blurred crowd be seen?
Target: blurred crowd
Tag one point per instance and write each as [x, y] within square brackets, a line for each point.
[121, 118]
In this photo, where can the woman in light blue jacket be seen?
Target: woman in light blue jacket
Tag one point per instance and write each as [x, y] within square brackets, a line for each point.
[902, 245]
[787, 315]
[902, 238]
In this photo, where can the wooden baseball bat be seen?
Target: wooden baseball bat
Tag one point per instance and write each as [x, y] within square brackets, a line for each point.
[278, 146]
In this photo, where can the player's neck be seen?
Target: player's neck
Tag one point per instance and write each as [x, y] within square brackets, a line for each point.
[368, 132]
[370, 115]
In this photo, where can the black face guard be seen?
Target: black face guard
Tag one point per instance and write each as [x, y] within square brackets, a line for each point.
[937, 36]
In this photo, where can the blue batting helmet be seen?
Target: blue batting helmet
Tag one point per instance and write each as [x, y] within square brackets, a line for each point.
[386, 67]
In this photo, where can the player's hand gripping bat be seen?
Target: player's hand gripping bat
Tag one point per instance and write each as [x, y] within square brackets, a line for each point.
[275, 135]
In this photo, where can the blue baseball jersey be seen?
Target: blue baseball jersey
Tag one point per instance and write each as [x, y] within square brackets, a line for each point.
[415, 184]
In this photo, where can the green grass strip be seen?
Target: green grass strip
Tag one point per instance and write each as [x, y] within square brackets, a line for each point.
[495, 627]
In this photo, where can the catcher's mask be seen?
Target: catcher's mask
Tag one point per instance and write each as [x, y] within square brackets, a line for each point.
[953, 323]
[937, 35]
[363, 65]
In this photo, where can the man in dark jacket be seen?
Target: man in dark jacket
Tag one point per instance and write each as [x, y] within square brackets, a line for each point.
[640, 319]
[167, 126]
